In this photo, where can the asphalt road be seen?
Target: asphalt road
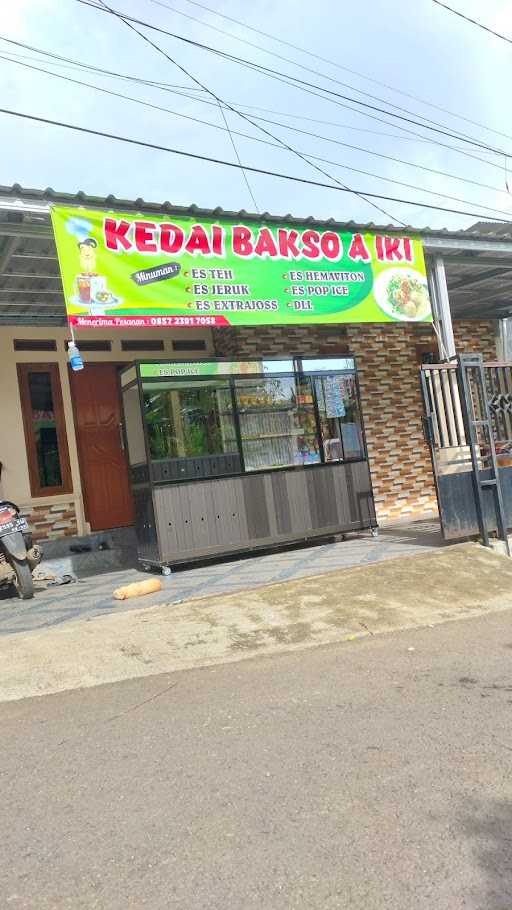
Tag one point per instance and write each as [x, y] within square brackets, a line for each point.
[374, 774]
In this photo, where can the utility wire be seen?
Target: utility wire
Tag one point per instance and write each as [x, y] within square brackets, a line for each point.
[184, 91]
[456, 12]
[464, 152]
[234, 110]
[339, 66]
[271, 72]
[295, 63]
[286, 126]
[164, 86]
[237, 156]
[168, 87]
[393, 158]
[267, 142]
[96, 69]
[255, 170]
[414, 137]
[233, 143]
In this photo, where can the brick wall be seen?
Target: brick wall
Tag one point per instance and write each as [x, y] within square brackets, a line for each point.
[475, 336]
[387, 358]
[51, 521]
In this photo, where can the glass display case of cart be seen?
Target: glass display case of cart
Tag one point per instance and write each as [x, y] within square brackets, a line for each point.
[230, 456]
[210, 419]
[277, 422]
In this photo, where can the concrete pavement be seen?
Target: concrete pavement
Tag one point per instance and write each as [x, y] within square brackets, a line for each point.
[446, 584]
[372, 775]
[92, 596]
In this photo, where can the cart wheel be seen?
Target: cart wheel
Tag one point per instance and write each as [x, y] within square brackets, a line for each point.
[166, 571]
[374, 532]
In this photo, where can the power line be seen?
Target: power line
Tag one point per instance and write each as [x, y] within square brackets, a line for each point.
[255, 170]
[414, 137]
[358, 148]
[309, 91]
[286, 126]
[202, 122]
[96, 69]
[339, 66]
[233, 144]
[168, 87]
[198, 82]
[302, 66]
[183, 91]
[272, 73]
[237, 156]
[294, 79]
[473, 21]
[276, 145]
[174, 89]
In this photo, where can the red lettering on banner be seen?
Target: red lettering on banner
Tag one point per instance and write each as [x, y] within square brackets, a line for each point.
[310, 244]
[392, 249]
[358, 249]
[288, 244]
[115, 234]
[242, 241]
[171, 238]
[144, 236]
[198, 241]
[266, 244]
[408, 253]
[331, 245]
[218, 240]
[379, 248]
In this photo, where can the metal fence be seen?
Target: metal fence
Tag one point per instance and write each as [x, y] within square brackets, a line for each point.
[443, 403]
[468, 425]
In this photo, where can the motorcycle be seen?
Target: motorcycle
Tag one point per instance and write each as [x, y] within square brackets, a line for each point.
[18, 554]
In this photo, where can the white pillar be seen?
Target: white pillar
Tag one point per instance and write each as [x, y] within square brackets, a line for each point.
[441, 308]
[504, 340]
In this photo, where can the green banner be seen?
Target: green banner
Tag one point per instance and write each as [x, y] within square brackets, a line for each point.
[123, 270]
[200, 368]
[179, 369]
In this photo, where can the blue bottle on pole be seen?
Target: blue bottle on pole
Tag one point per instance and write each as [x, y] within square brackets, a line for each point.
[75, 357]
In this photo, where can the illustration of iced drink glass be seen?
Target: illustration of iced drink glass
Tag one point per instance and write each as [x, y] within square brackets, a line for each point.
[84, 288]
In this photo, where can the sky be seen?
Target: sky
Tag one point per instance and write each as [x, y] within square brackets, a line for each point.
[413, 55]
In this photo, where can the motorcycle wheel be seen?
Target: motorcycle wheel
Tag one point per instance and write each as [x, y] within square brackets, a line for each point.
[24, 583]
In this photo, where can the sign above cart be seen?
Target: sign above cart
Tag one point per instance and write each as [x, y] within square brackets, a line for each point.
[189, 369]
[129, 270]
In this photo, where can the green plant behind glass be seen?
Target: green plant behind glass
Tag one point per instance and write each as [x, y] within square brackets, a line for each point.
[162, 443]
[199, 417]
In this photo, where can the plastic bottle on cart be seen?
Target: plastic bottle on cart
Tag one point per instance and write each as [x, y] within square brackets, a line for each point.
[75, 357]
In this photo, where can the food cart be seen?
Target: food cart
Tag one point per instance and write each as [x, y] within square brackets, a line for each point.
[232, 456]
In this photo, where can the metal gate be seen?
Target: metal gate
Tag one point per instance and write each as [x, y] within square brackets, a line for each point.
[468, 426]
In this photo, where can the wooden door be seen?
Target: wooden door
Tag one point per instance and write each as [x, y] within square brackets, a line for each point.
[103, 464]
